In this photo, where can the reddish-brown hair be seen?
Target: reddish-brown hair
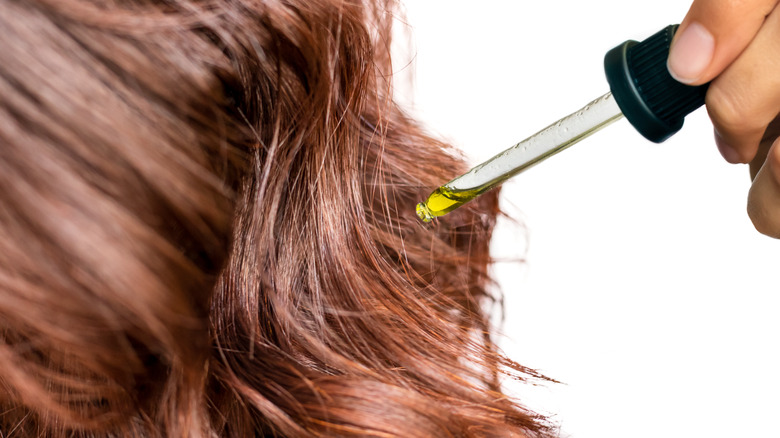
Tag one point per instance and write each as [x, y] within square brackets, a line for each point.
[207, 228]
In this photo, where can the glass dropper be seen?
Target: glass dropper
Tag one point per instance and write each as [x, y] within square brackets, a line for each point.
[642, 90]
[534, 149]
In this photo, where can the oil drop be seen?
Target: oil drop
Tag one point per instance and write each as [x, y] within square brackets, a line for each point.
[443, 200]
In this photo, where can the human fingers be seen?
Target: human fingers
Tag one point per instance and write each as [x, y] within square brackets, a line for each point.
[712, 35]
[770, 135]
[764, 196]
[745, 98]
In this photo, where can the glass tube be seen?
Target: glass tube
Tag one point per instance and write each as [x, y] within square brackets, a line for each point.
[536, 148]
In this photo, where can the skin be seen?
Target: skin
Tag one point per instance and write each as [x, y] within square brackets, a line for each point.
[735, 44]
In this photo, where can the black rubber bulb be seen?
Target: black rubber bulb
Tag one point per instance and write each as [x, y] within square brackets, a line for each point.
[649, 97]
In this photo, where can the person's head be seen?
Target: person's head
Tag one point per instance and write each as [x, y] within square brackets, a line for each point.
[207, 228]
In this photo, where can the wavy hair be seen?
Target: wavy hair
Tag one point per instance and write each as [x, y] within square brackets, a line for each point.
[207, 228]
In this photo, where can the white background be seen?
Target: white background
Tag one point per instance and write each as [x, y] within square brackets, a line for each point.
[645, 288]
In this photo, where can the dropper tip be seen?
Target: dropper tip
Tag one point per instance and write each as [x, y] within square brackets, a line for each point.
[424, 213]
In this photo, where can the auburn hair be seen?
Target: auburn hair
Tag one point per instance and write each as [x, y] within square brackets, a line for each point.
[207, 228]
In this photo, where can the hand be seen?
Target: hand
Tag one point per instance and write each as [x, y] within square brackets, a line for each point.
[736, 45]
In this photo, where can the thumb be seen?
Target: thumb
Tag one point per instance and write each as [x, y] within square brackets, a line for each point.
[712, 36]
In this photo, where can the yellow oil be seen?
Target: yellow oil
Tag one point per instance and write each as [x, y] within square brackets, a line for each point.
[443, 200]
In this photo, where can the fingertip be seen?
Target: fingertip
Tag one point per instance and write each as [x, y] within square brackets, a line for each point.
[763, 205]
[691, 53]
[729, 152]
[772, 163]
[735, 151]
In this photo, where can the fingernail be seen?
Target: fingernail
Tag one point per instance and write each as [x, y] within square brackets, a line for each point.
[691, 53]
[728, 151]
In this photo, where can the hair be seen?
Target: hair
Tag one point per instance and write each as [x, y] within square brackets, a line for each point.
[207, 228]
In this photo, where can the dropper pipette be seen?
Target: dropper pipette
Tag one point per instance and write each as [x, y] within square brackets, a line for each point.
[642, 90]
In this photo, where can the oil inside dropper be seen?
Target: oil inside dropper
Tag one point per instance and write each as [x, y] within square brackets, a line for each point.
[536, 148]
[443, 200]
